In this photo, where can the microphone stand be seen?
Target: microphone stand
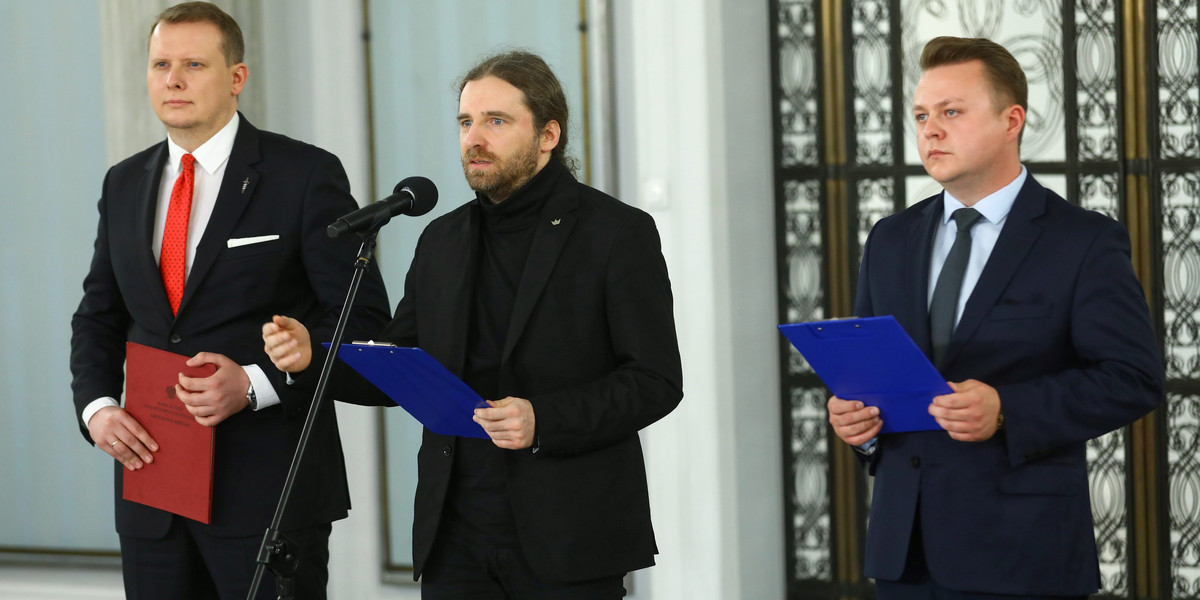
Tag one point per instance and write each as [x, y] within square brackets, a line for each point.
[278, 553]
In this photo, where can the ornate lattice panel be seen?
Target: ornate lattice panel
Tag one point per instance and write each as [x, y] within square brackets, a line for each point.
[1180, 198]
[1181, 274]
[803, 253]
[800, 236]
[809, 492]
[1097, 69]
[1178, 99]
[1101, 193]
[808, 464]
[876, 199]
[1183, 457]
[798, 113]
[870, 27]
[1106, 478]
[1177, 87]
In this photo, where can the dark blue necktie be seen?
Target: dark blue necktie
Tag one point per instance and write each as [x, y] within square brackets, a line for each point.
[944, 305]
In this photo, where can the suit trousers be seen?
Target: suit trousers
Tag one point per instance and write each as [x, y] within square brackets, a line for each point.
[467, 566]
[916, 583]
[191, 564]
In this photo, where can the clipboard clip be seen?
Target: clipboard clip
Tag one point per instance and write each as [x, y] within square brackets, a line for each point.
[371, 343]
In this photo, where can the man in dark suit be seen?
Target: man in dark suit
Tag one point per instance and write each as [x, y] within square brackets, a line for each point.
[201, 239]
[551, 300]
[1029, 307]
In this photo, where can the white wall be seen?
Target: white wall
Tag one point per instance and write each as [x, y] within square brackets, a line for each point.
[51, 166]
[693, 129]
[696, 94]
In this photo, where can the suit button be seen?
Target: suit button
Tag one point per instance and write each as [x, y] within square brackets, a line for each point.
[446, 450]
[916, 462]
[175, 339]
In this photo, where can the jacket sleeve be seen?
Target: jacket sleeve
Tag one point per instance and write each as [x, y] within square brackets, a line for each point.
[329, 265]
[647, 382]
[98, 328]
[1119, 373]
[346, 385]
[862, 309]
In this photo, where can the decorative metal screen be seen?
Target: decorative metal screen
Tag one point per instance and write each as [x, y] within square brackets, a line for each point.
[800, 234]
[1175, 171]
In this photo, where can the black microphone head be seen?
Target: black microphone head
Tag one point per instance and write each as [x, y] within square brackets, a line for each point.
[424, 194]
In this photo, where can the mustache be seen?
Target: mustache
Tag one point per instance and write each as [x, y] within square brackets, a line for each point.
[474, 154]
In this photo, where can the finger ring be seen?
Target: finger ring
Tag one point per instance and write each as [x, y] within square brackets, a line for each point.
[114, 442]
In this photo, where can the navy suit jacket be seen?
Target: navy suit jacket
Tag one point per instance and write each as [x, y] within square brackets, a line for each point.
[273, 185]
[1058, 324]
[591, 344]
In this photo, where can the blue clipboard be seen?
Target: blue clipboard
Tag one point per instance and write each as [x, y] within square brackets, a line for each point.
[419, 384]
[872, 360]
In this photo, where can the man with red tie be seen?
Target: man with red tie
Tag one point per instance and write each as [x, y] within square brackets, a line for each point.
[202, 238]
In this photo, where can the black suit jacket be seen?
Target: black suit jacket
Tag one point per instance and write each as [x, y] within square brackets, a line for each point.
[272, 185]
[591, 345]
[1058, 324]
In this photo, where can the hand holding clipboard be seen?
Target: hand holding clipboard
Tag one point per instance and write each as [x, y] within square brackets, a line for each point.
[872, 360]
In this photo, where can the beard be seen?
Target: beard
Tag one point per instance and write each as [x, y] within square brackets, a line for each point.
[507, 174]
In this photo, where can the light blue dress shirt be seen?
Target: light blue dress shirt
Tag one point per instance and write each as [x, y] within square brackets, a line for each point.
[994, 208]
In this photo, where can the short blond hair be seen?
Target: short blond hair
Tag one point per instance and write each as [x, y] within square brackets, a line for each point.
[232, 44]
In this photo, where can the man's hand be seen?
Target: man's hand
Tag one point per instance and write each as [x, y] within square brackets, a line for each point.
[122, 437]
[853, 421]
[214, 398]
[971, 413]
[287, 343]
[509, 422]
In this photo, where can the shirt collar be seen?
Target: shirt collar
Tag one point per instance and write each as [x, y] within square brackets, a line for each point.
[994, 207]
[212, 153]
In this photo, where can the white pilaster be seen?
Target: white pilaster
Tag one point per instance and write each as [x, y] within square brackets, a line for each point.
[701, 164]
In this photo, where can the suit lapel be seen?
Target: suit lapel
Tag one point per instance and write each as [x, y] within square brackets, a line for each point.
[459, 260]
[143, 229]
[237, 187]
[920, 246]
[1016, 238]
[554, 226]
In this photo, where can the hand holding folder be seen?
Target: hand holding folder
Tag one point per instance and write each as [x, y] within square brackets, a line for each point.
[180, 480]
[420, 385]
[872, 360]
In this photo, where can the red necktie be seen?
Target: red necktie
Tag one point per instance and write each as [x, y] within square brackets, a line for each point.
[173, 259]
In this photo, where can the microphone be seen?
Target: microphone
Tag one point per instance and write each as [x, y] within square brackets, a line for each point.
[414, 196]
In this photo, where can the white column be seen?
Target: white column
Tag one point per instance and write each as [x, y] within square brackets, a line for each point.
[700, 162]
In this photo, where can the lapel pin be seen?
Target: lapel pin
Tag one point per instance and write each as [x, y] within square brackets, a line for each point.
[556, 221]
[245, 183]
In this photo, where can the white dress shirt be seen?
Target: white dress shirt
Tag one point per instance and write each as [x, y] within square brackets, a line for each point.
[211, 159]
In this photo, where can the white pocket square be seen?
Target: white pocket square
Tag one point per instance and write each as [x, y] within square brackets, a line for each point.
[235, 242]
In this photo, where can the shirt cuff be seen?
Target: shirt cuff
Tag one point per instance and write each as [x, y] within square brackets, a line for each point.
[94, 407]
[264, 393]
[867, 448]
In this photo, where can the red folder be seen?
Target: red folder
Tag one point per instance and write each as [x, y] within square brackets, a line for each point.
[180, 480]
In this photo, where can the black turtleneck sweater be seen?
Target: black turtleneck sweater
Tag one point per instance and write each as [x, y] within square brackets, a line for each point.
[478, 497]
